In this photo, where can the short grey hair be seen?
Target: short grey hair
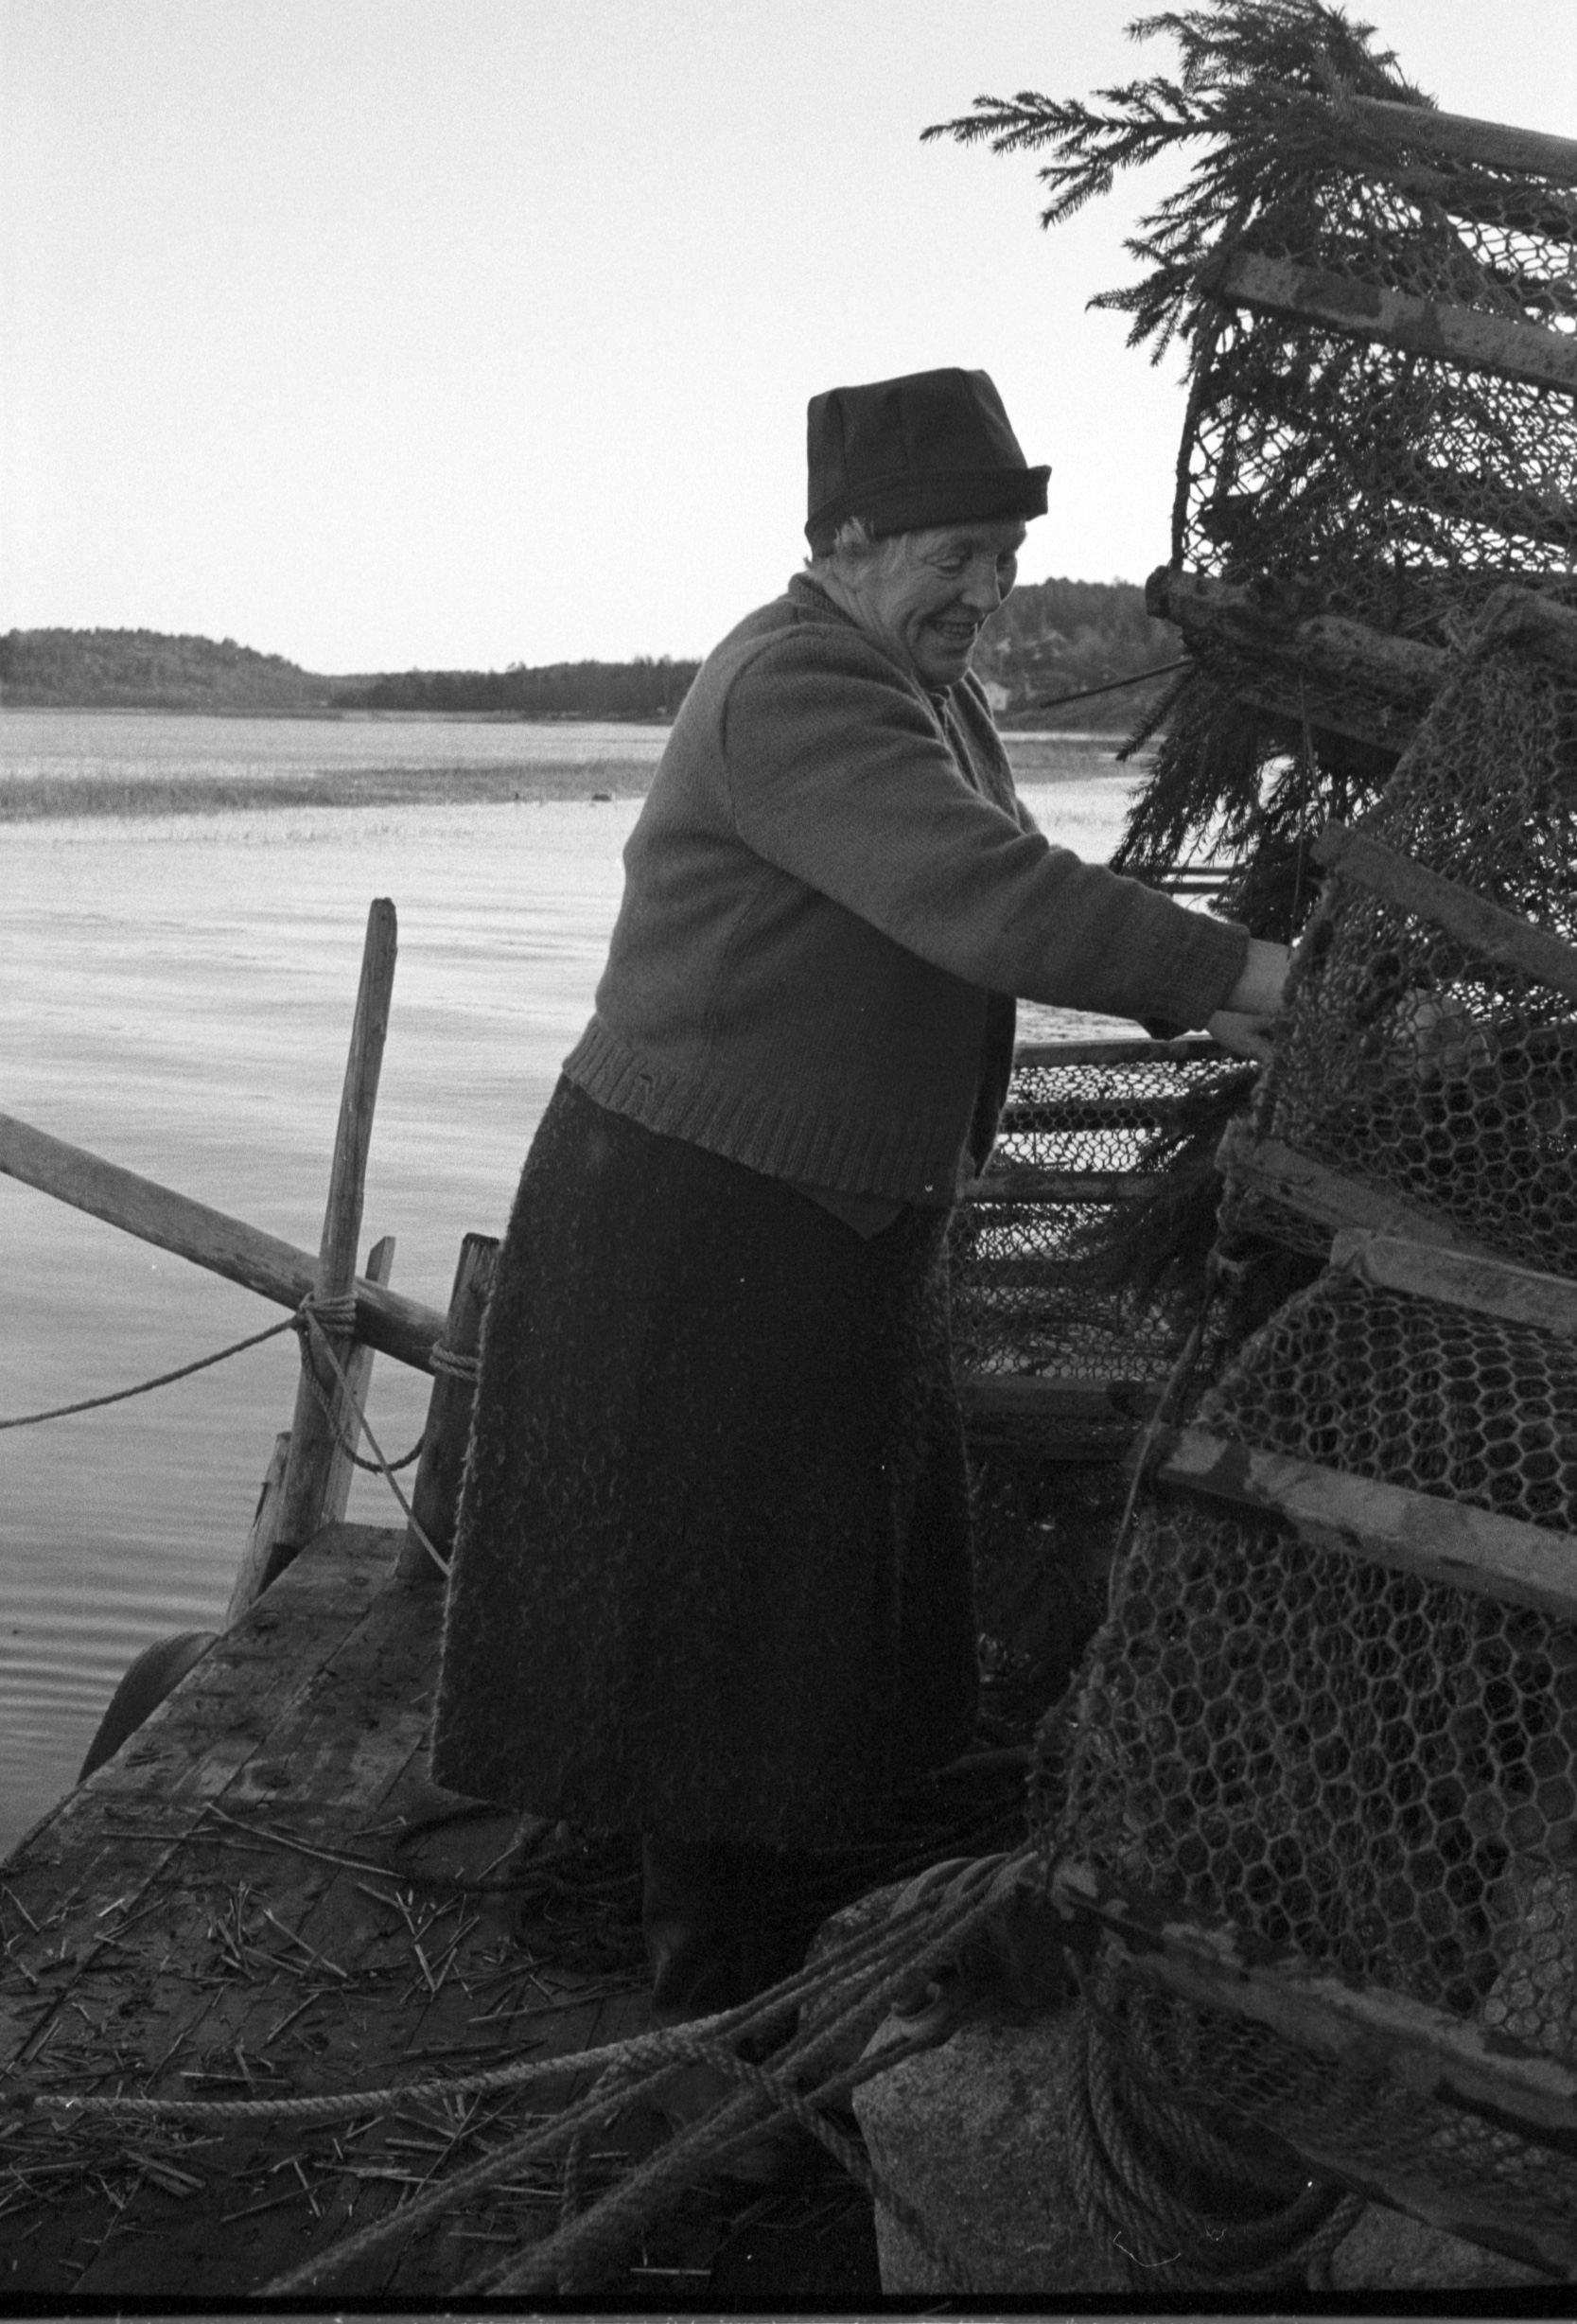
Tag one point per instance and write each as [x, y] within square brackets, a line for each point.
[856, 548]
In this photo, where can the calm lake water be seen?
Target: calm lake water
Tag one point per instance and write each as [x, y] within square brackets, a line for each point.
[180, 988]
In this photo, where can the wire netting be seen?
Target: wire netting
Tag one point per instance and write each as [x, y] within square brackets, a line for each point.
[1371, 1770]
[1402, 485]
[1024, 1299]
[1410, 1063]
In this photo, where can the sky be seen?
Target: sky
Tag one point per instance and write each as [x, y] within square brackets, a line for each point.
[456, 333]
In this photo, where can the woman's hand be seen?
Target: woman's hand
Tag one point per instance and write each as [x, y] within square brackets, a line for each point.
[1243, 1023]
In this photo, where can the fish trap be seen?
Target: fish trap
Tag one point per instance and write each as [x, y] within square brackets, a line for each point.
[1080, 1126]
[1324, 1789]
[1425, 1071]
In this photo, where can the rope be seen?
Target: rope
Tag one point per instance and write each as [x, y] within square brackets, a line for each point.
[1127, 2149]
[1114, 685]
[453, 1365]
[162, 1380]
[309, 1316]
[329, 1408]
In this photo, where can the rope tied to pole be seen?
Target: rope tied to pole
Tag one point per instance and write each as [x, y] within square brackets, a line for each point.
[316, 1343]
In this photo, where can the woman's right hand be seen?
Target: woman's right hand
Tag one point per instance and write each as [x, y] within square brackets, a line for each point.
[1243, 1023]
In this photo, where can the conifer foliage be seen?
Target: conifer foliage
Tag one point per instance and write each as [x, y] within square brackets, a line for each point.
[1325, 473]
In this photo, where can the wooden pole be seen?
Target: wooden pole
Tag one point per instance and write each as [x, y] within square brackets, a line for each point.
[1496, 145]
[358, 1371]
[251, 1575]
[313, 1429]
[1459, 335]
[1486, 928]
[404, 1329]
[436, 1500]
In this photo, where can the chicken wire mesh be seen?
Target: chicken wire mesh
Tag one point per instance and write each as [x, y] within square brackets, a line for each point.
[1407, 1061]
[1369, 1769]
[1405, 485]
[1023, 1296]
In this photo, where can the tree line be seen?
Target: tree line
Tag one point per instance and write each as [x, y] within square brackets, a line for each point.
[1052, 638]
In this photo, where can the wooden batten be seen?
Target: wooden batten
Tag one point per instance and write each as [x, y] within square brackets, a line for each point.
[314, 1430]
[1023, 1183]
[1328, 1198]
[435, 1498]
[253, 1573]
[1457, 136]
[1532, 621]
[404, 1329]
[1487, 1286]
[1326, 644]
[1447, 1542]
[1191, 1048]
[1525, 352]
[1487, 929]
[359, 1372]
[1446, 2060]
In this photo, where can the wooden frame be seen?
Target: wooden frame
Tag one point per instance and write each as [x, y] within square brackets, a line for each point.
[1463, 1279]
[1525, 352]
[1486, 928]
[1327, 1197]
[1450, 1541]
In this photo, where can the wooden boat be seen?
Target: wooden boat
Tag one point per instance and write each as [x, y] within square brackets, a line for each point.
[260, 1891]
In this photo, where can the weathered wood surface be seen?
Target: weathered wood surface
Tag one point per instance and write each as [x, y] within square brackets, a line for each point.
[1264, 622]
[1329, 1198]
[227, 1908]
[1532, 621]
[435, 1496]
[358, 1377]
[1019, 1182]
[1446, 2059]
[1487, 929]
[1462, 335]
[405, 1329]
[257, 1555]
[1490, 1287]
[1189, 1048]
[1457, 136]
[324, 1406]
[1450, 1541]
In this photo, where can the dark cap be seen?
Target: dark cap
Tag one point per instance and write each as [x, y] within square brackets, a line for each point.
[932, 448]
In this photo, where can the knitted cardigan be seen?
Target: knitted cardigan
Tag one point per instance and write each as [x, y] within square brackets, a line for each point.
[830, 877]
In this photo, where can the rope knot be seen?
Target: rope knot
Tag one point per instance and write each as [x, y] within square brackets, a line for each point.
[452, 1365]
[335, 1316]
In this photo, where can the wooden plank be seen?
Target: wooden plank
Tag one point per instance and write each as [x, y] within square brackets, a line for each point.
[257, 1555]
[359, 1372]
[1189, 1048]
[1496, 145]
[1329, 1198]
[435, 1498]
[1489, 1287]
[1446, 2061]
[1019, 1182]
[323, 1405]
[1267, 620]
[264, 1264]
[1486, 928]
[1450, 1541]
[1532, 621]
[1459, 335]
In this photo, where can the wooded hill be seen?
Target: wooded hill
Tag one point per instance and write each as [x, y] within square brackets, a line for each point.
[1052, 638]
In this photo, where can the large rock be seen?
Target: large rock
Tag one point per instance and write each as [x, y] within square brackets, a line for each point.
[974, 2136]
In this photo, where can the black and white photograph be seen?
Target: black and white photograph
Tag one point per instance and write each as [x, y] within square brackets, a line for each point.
[788, 1157]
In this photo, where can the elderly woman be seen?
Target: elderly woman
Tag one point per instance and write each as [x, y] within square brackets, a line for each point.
[712, 1578]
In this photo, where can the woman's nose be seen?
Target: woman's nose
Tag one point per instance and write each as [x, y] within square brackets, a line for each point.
[983, 586]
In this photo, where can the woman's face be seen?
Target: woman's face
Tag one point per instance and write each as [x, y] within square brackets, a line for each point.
[928, 598]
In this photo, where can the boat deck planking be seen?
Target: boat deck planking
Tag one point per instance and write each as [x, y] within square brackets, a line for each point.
[178, 1925]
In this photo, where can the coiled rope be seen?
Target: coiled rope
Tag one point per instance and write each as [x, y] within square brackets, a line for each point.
[1128, 2149]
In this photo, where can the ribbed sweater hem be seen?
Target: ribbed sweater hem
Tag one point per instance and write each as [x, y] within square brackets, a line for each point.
[909, 1162]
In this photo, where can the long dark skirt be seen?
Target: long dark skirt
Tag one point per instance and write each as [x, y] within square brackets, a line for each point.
[712, 1574]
